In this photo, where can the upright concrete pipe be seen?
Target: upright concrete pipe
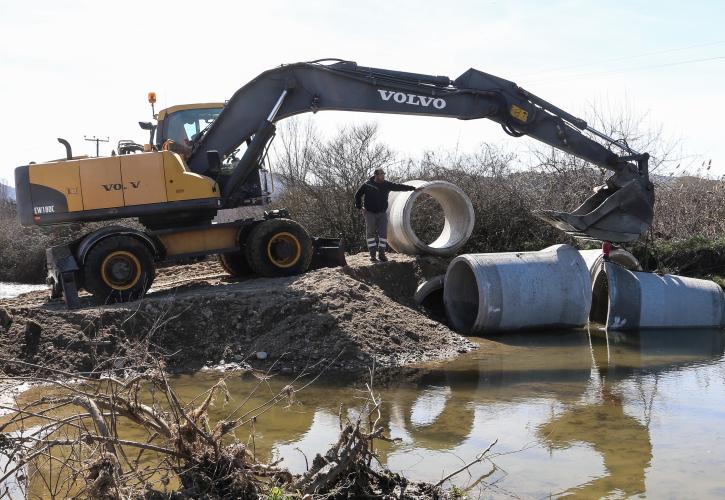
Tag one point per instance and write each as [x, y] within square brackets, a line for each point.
[632, 300]
[457, 210]
[487, 293]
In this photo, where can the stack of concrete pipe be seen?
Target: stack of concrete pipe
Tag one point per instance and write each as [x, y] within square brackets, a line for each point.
[557, 287]
[561, 287]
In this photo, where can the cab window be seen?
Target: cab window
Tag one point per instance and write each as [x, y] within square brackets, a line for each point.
[184, 126]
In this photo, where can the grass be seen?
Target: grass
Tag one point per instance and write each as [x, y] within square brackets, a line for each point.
[697, 256]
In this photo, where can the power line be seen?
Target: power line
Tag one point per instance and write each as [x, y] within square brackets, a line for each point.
[622, 58]
[96, 140]
[623, 70]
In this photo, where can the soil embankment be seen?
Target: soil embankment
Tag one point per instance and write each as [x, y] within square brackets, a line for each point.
[197, 316]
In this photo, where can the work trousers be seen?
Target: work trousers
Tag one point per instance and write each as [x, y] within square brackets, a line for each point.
[376, 226]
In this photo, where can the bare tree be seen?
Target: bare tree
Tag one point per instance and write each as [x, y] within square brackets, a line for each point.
[320, 177]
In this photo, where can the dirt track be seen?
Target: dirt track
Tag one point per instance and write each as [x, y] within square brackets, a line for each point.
[198, 316]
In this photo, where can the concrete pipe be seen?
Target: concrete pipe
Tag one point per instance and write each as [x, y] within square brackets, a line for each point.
[486, 293]
[429, 287]
[429, 296]
[457, 210]
[632, 300]
[595, 258]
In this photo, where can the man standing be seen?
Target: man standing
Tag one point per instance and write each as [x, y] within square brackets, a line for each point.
[375, 193]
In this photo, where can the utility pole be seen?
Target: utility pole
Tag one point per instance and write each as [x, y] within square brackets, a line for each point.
[96, 140]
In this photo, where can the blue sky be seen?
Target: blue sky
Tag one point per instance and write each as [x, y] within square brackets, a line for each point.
[75, 68]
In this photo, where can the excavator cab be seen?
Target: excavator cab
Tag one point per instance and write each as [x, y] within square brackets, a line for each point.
[184, 123]
[619, 211]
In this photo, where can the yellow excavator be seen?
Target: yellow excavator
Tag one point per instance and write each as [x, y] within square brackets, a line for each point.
[202, 158]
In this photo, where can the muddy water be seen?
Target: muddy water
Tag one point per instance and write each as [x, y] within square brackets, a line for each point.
[579, 414]
[590, 416]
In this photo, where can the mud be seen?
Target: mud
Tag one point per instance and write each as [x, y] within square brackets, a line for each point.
[195, 316]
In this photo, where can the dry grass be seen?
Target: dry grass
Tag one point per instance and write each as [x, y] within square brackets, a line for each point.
[321, 176]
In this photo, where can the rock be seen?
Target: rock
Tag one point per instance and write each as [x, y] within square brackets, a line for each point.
[32, 338]
[5, 319]
[261, 355]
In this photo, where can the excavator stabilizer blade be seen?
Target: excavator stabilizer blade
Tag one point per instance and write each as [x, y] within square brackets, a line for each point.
[327, 252]
[620, 216]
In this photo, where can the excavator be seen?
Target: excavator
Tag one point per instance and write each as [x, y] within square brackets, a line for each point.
[203, 158]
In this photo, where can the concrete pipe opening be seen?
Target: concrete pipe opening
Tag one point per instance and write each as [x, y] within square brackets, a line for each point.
[600, 297]
[633, 300]
[458, 219]
[461, 298]
[490, 293]
[429, 297]
[595, 258]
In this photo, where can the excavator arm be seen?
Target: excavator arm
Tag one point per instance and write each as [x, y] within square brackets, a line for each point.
[619, 211]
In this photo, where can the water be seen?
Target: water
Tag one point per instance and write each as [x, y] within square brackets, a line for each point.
[8, 290]
[616, 416]
[587, 416]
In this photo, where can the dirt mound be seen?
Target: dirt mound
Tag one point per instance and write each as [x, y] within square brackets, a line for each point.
[196, 315]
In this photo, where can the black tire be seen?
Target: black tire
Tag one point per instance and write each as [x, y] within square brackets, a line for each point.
[118, 269]
[235, 263]
[279, 247]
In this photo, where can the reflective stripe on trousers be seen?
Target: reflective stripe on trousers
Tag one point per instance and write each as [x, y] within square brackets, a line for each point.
[377, 229]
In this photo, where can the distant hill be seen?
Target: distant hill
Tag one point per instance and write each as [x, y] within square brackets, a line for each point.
[7, 191]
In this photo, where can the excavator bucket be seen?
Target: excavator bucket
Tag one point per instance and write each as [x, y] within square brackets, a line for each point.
[618, 215]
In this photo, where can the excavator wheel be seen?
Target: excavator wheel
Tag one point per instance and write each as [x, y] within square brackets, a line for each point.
[279, 247]
[235, 263]
[118, 269]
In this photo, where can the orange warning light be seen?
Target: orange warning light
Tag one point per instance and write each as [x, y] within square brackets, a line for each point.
[152, 97]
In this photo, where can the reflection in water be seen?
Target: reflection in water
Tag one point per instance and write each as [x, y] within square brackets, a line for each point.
[575, 414]
[621, 440]
[578, 405]
[577, 394]
[582, 374]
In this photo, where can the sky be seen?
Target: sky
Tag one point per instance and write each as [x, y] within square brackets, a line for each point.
[83, 68]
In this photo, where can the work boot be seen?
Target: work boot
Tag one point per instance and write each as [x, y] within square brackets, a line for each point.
[381, 256]
[372, 256]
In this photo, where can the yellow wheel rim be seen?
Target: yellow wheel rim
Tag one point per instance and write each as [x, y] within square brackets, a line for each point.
[121, 270]
[284, 250]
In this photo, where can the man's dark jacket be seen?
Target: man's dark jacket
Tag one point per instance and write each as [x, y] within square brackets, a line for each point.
[376, 194]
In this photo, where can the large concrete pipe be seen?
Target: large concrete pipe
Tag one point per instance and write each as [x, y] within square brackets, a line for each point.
[486, 293]
[632, 300]
[595, 258]
[457, 211]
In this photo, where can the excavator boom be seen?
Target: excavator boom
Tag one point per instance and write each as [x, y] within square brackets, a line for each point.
[620, 211]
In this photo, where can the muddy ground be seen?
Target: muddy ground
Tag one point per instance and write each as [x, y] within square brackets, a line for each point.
[197, 316]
